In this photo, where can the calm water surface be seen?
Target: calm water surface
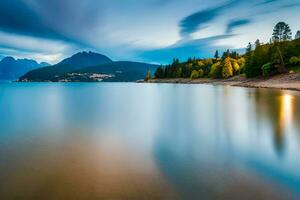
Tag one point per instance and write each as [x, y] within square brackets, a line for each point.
[148, 141]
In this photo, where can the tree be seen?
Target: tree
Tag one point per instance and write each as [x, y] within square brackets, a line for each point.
[148, 76]
[217, 54]
[208, 61]
[176, 61]
[216, 70]
[249, 48]
[194, 74]
[282, 32]
[241, 61]
[201, 73]
[200, 64]
[226, 54]
[235, 66]
[297, 36]
[227, 70]
[257, 43]
[267, 69]
[294, 60]
[179, 72]
[259, 57]
[234, 55]
[159, 73]
[248, 60]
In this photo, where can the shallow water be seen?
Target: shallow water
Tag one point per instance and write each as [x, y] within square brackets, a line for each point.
[148, 141]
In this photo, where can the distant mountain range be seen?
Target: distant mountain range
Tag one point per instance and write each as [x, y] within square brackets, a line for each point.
[89, 67]
[12, 69]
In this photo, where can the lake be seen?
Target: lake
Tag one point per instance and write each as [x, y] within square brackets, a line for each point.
[148, 141]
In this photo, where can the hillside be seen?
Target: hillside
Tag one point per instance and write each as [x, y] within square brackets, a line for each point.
[87, 67]
[121, 71]
[276, 57]
[75, 62]
[12, 69]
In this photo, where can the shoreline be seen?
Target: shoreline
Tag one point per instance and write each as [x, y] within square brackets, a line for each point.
[282, 82]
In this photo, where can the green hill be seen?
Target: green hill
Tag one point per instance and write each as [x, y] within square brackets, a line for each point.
[87, 67]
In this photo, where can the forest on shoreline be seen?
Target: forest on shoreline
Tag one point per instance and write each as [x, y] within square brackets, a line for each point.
[280, 55]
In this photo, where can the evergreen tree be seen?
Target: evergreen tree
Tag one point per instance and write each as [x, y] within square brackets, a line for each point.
[234, 55]
[226, 54]
[248, 60]
[217, 54]
[257, 43]
[159, 72]
[297, 36]
[249, 48]
[175, 61]
[282, 32]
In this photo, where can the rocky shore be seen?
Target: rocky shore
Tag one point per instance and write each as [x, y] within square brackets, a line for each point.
[289, 81]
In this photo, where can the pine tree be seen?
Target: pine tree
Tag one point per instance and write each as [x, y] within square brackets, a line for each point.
[282, 32]
[217, 54]
[234, 55]
[249, 61]
[159, 72]
[257, 43]
[297, 36]
[226, 54]
[249, 48]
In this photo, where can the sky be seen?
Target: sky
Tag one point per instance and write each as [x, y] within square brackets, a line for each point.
[153, 31]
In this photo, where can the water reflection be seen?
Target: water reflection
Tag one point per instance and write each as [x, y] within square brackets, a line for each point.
[274, 114]
[136, 141]
[284, 120]
[229, 140]
[286, 110]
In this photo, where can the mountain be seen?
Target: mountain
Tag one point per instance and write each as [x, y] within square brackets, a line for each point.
[12, 69]
[84, 59]
[75, 62]
[87, 67]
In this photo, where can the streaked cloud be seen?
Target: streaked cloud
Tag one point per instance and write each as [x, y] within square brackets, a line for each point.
[17, 17]
[236, 23]
[198, 20]
[264, 2]
[143, 30]
[204, 47]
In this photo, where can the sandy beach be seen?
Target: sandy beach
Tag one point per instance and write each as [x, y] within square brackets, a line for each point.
[283, 81]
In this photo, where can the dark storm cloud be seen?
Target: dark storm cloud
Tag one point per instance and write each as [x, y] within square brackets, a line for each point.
[64, 20]
[195, 21]
[236, 23]
[19, 18]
